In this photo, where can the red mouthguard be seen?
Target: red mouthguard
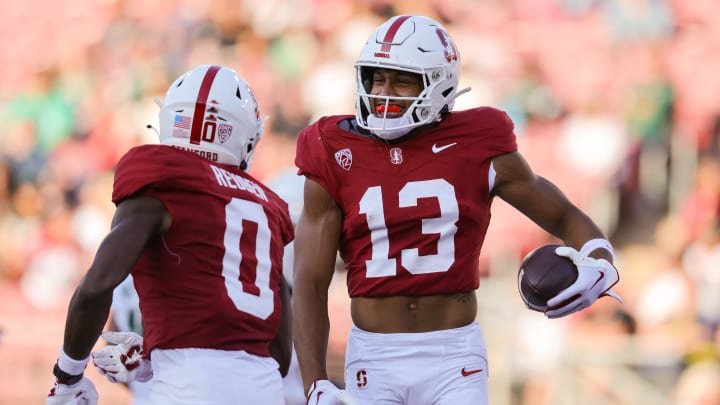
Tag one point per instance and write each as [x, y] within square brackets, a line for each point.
[391, 109]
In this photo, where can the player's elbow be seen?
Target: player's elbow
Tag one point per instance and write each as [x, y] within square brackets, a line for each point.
[311, 283]
[94, 286]
[89, 295]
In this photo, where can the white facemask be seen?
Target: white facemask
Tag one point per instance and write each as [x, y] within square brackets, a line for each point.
[395, 127]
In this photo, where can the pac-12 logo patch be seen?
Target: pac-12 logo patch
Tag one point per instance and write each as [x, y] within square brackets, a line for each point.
[343, 158]
[224, 132]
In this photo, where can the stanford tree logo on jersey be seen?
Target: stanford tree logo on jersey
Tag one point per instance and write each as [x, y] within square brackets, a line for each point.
[396, 156]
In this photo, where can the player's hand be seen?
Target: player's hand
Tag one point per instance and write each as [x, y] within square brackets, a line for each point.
[595, 278]
[323, 392]
[124, 361]
[81, 393]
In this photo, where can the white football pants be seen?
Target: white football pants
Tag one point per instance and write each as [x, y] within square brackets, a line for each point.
[211, 377]
[447, 367]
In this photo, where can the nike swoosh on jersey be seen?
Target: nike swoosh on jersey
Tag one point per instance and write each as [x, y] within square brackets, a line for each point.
[466, 373]
[438, 149]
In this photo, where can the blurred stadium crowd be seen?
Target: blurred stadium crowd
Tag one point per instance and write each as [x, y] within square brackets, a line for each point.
[617, 101]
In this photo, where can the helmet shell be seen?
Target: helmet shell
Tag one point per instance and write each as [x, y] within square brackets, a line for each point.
[415, 44]
[211, 111]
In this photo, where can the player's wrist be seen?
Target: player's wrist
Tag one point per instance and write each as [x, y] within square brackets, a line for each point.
[63, 377]
[145, 371]
[593, 245]
[69, 371]
[319, 383]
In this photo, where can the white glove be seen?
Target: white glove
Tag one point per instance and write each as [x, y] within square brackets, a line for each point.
[323, 392]
[81, 393]
[123, 362]
[595, 278]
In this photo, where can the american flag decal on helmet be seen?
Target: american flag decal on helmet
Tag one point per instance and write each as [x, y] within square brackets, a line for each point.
[182, 121]
[343, 158]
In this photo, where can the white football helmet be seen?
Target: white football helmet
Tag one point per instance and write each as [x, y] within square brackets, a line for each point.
[211, 111]
[415, 44]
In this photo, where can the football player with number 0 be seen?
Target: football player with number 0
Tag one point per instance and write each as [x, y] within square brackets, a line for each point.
[204, 243]
[403, 190]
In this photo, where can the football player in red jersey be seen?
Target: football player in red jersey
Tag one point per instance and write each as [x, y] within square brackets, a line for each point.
[403, 190]
[204, 242]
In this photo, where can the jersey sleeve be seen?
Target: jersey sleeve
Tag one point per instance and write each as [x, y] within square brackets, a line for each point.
[312, 158]
[501, 138]
[140, 168]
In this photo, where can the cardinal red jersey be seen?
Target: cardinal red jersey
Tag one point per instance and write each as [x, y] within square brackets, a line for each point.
[212, 279]
[414, 213]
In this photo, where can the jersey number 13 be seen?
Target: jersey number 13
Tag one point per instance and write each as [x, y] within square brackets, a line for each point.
[381, 265]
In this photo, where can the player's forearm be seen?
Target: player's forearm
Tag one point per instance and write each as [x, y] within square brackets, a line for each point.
[87, 315]
[560, 217]
[281, 346]
[578, 229]
[311, 327]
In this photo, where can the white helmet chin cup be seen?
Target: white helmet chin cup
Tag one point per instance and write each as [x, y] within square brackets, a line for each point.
[415, 44]
[211, 111]
[390, 128]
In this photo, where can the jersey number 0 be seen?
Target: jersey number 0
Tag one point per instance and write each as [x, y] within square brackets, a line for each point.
[237, 211]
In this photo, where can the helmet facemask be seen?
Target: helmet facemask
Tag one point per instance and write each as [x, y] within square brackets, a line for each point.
[427, 107]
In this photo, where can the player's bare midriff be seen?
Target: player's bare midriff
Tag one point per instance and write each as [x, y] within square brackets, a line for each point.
[404, 314]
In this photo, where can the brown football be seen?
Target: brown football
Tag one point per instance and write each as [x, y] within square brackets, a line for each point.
[542, 275]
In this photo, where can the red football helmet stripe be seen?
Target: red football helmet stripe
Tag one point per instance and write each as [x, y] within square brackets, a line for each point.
[390, 34]
[199, 115]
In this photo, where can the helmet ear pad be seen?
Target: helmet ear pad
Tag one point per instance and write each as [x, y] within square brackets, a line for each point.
[211, 111]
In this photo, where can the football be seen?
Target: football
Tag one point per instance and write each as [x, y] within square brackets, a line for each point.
[542, 275]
